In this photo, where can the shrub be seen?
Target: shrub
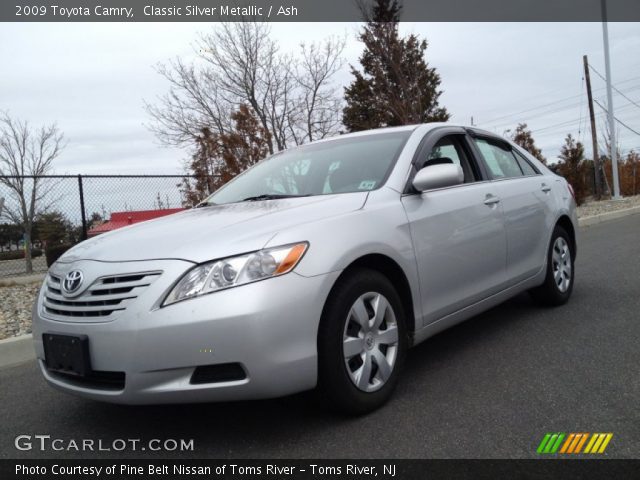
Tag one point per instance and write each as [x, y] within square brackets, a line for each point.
[19, 254]
[53, 252]
[12, 255]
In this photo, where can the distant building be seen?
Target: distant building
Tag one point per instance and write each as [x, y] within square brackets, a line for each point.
[123, 219]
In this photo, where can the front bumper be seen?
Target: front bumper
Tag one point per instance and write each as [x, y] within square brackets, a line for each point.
[268, 327]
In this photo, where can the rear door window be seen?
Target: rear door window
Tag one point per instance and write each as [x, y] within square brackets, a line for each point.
[500, 160]
[526, 167]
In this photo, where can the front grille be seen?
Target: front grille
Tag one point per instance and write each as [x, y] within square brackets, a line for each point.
[105, 297]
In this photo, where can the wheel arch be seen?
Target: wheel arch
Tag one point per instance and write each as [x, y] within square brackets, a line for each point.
[565, 222]
[390, 269]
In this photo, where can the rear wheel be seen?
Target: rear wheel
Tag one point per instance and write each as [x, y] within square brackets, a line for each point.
[362, 342]
[558, 283]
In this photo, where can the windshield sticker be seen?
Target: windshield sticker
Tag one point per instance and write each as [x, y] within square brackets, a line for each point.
[367, 185]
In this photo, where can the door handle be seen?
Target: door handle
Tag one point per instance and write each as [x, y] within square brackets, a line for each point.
[545, 188]
[491, 200]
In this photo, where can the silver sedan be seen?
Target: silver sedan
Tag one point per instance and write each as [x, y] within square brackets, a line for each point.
[317, 268]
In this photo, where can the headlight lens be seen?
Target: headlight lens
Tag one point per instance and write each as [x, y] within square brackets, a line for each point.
[234, 271]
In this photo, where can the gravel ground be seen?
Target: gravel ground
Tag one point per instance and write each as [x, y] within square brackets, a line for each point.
[595, 208]
[15, 309]
[16, 301]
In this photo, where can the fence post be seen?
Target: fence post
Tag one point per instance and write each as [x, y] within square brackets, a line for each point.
[82, 212]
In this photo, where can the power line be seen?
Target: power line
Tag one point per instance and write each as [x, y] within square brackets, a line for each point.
[566, 123]
[555, 103]
[544, 113]
[617, 119]
[612, 86]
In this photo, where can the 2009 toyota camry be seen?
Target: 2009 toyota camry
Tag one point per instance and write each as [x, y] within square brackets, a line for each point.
[318, 267]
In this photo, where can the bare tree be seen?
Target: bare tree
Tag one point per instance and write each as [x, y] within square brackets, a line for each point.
[239, 63]
[320, 103]
[26, 155]
[192, 104]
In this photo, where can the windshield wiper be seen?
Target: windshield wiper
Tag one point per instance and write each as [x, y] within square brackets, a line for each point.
[271, 196]
[205, 204]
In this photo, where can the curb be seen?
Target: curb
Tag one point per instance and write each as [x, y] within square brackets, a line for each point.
[603, 217]
[15, 350]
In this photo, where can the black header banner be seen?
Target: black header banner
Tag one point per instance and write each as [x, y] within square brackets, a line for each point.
[317, 469]
[314, 10]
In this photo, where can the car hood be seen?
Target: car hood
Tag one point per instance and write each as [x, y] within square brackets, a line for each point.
[203, 234]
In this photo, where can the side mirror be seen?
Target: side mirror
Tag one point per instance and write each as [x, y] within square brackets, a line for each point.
[438, 176]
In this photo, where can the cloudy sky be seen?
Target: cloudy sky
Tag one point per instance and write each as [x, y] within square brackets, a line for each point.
[92, 79]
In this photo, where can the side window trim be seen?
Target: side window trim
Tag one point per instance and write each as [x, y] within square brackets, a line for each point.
[521, 158]
[478, 154]
[515, 150]
[478, 160]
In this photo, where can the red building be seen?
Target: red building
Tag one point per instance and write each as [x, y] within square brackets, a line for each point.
[123, 219]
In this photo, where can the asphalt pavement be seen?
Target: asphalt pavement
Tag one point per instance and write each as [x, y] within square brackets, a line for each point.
[488, 388]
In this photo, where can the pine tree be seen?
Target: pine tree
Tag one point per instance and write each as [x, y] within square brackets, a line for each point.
[523, 137]
[396, 85]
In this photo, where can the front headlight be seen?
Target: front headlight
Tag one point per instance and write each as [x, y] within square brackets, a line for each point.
[234, 271]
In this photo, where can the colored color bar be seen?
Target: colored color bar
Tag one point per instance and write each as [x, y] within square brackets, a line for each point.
[555, 447]
[567, 443]
[594, 437]
[550, 443]
[581, 443]
[575, 442]
[543, 443]
[605, 442]
[596, 445]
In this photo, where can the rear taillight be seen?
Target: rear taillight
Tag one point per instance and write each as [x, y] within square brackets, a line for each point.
[573, 194]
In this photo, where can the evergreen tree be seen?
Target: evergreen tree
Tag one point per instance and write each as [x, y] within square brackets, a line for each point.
[630, 174]
[220, 157]
[573, 167]
[396, 85]
[52, 228]
[523, 137]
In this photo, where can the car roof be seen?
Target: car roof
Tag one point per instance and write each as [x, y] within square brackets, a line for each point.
[374, 131]
[410, 128]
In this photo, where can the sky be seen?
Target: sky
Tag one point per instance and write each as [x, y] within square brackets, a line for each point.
[92, 80]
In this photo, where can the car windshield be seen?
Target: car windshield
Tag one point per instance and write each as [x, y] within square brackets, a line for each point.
[354, 164]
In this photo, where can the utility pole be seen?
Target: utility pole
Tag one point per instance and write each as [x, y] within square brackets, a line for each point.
[597, 168]
[594, 138]
[612, 124]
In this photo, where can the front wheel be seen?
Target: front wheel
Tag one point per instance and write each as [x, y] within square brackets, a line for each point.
[558, 283]
[362, 342]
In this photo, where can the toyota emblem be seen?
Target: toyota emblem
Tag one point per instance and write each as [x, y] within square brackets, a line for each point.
[72, 282]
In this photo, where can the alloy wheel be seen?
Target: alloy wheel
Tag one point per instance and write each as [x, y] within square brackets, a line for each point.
[561, 258]
[370, 341]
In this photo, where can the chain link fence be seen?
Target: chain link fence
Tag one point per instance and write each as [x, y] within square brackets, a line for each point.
[70, 208]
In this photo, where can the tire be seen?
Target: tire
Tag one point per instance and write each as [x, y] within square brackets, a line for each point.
[558, 282]
[353, 340]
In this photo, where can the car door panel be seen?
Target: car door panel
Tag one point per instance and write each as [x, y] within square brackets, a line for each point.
[459, 244]
[525, 197]
[526, 209]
